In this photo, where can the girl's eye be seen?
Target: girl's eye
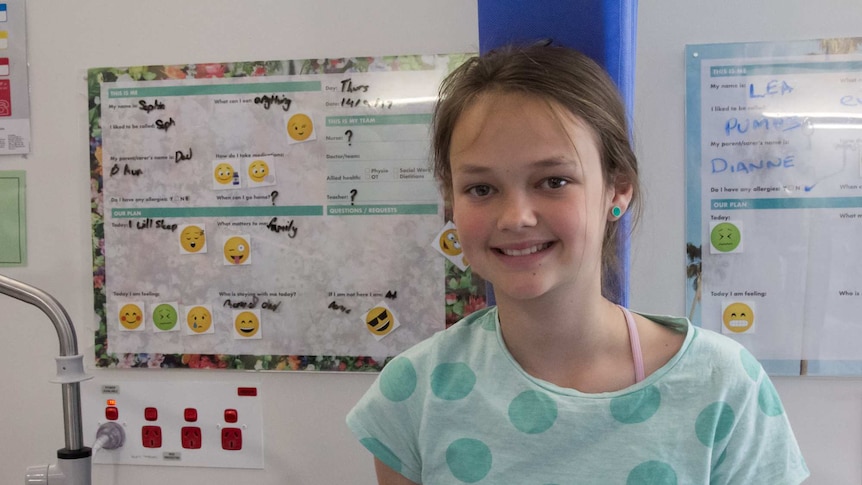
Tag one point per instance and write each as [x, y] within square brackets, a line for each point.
[479, 190]
[555, 182]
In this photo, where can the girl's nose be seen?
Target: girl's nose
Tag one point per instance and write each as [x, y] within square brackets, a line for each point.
[516, 211]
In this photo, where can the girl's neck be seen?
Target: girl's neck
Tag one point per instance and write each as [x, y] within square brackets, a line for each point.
[564, 338]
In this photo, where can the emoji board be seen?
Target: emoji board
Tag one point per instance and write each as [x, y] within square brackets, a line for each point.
[774, 200]
[259, 221]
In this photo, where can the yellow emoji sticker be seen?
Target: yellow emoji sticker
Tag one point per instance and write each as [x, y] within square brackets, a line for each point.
[258, 170]
[247, 324]
[449, 242]
[380, 321]
[199, 319]
[237, 250]
[131, 316]
[223, 173]
[300, 127]
[193, 239]
[738, 317]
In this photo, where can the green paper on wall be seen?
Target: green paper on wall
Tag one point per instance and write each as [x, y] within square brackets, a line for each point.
[13, 221]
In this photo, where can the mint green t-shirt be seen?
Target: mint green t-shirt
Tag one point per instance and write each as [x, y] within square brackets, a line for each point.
[457, 408]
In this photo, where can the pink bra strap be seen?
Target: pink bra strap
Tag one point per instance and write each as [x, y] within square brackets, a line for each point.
[635, 340]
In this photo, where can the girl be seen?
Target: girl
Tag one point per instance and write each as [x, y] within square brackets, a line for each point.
[557, 384]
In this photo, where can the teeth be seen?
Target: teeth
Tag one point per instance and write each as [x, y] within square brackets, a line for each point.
[525, 252]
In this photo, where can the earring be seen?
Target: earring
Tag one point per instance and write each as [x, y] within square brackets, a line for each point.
[616, 211]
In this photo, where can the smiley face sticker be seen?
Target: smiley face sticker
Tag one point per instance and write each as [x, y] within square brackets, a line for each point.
[131, 316]
[225, 176]
[300, 128]
[260, 171]
[165, 317]
[237, 250]
[380, 321]
[199, 320]
[193, 239]
[737, 317]
[246, 324]
[725, 237]
[446, 242]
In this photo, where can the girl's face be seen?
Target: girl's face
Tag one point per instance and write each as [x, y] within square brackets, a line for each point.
[529, 199]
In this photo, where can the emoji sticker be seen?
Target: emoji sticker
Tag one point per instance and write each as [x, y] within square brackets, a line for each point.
[199, 320]
[192, 239]
[738, 317]
[237, 250]
[225, 176]
[165, 317]
[300, 128]
[447, 243]
[246, 324]
[131, 316]
[725, 237]
[260, 171]
[380, 321]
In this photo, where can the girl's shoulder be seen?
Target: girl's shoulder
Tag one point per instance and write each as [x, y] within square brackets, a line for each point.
[460, 340]
[708, 355]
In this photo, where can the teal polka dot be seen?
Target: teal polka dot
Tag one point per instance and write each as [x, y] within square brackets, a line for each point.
[714, 423]
[469, 460]
[398, 380]
[382, 453]
[768, 400]
[532, 412]
[652, 473]
[452, 381]
[750, 364]
[636, 407]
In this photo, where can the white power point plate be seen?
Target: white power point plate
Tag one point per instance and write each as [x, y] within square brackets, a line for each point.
[200, 424]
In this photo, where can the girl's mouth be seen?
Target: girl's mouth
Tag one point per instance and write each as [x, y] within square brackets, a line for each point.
[526, 251]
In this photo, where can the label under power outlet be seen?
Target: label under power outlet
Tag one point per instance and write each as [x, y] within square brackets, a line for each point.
[177, 423]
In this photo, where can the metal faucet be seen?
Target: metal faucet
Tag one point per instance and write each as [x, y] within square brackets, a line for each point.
[74, 460]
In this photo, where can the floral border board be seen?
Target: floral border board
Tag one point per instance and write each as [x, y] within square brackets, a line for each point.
[270, 215]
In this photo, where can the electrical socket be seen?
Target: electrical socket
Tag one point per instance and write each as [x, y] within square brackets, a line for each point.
[190, 437]
[231, 439]
[228, 431]
[151, 436]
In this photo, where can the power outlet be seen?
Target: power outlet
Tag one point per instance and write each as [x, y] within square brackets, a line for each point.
[177, 423]
[231, 439]
[151, 436]
[190, 437]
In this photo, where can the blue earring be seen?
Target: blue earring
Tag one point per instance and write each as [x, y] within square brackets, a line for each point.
[616, 211]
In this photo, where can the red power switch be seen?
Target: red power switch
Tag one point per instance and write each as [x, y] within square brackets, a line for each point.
[230, 415]
[190, 415]
[151, 414]
[111, 413]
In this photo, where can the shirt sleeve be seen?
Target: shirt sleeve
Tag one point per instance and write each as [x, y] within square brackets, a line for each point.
[386, 419]
[761, 447]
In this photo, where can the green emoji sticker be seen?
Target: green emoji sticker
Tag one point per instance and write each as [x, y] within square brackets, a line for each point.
[165, 317]
[725, 237]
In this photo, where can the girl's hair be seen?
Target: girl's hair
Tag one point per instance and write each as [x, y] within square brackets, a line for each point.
[559, 75]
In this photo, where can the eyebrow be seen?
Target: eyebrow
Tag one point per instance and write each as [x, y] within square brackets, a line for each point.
[543, 163]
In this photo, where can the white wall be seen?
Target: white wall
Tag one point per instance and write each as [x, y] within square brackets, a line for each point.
[305, 439]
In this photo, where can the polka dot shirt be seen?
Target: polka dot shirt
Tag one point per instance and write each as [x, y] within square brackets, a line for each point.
[457, 408]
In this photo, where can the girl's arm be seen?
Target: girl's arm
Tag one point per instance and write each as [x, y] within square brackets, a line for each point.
[388, 476]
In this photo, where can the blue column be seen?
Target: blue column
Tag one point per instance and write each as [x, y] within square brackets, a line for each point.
[602, 29]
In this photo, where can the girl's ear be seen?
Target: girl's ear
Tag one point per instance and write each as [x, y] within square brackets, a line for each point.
[620, 196]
